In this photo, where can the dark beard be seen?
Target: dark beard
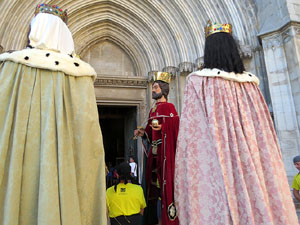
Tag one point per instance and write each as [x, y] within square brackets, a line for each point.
[156, 96]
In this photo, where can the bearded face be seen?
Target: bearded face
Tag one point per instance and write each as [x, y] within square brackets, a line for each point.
[156, 91]
[156, 96]
[160, 89]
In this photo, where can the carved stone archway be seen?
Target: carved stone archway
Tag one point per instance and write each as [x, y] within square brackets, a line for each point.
[161, 35]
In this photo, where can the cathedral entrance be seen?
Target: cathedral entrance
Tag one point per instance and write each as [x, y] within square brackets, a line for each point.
[117, 126]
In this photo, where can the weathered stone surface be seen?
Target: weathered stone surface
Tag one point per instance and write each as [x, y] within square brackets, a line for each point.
[109, 59]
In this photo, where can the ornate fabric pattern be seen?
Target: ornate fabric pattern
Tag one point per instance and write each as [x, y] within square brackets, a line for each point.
[161, 160]
[51, 150]
[229, 167]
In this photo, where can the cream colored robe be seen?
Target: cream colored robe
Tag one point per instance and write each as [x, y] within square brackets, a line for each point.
[52, 169]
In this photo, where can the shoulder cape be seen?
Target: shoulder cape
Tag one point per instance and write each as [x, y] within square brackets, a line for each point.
[238, 77]
[50, 60]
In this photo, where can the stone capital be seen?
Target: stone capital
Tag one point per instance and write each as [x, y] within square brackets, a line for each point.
[245, 51]
[170, 69]
[186, 67]
[199, 62]
[273, 41]
[297, 32]
[288, 34]
[151, 74]
[281, 36]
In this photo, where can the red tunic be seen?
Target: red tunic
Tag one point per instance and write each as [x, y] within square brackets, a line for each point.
[161, 165]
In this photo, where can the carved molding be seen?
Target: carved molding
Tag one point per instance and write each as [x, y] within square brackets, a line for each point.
[245, 51]
[284, 35]
[186, 67]
[297, 31]
[151, 75]
[272, 42]
[170, 69]
[200, 63]
[121, 82]
[287, 34]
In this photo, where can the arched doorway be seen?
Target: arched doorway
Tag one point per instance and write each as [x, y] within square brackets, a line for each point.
[117, 125]
[122, 100]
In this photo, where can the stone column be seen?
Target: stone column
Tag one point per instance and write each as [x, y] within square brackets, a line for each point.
[282, 58]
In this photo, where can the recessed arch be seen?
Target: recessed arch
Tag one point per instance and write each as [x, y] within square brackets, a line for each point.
[160, 33]
[109, 59]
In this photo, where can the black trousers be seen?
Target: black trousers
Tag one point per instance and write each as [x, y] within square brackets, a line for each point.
[135, 219]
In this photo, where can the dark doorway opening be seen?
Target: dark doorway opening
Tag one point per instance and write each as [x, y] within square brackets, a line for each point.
[117, 126]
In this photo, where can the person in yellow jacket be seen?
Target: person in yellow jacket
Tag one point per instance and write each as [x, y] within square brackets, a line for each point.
[125, 201]
[296, 180]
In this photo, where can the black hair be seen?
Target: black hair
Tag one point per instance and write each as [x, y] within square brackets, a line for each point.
[28, 39]
[123, 170]
[221, 52]
[164, 86]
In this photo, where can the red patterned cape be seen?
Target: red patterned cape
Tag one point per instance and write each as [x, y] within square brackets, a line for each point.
[161, 166]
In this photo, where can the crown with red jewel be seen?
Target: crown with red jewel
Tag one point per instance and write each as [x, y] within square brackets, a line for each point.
[52, 9]
[212, 28]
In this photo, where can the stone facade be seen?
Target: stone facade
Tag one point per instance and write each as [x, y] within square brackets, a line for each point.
[281, 51]
[127, 40]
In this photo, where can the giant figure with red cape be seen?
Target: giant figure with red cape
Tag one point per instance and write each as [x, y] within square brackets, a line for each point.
[159, 138]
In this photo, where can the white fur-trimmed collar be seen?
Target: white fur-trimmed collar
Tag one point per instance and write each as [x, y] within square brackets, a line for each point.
[50, 60]
[238, 77]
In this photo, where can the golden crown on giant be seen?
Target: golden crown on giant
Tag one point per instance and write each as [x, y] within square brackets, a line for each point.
[52, 9]
[162, 76]
[212, 28]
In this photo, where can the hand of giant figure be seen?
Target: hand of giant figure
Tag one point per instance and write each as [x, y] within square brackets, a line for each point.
[160, 136]
[51, 150]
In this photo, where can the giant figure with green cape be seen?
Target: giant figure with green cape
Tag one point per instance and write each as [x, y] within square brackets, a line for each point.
[52, 169]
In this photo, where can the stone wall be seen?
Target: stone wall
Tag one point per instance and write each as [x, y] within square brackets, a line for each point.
[125, 40]
[108, 59]
[282, 51]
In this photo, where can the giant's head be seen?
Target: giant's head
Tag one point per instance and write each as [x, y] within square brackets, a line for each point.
[160, 86]
[159, 89]
[48, 30]
[221, 50]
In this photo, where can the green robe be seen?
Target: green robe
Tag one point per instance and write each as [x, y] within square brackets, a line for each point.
[52, 169]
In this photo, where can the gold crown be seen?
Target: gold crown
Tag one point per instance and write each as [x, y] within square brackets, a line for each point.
[216, 28]
[162, 76]
[52, 9]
